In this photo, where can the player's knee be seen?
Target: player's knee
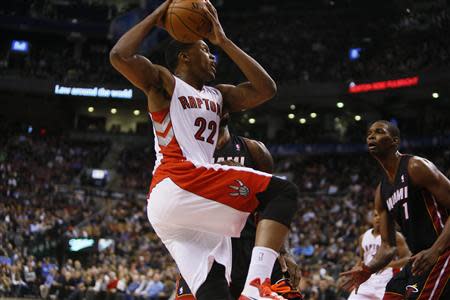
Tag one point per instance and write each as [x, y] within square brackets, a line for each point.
[279, 201]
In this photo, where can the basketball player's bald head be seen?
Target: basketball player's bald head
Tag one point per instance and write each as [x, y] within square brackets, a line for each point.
[383, 137]
[391, 127]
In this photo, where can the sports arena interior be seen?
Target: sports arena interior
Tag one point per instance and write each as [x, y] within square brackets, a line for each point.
[77, 145]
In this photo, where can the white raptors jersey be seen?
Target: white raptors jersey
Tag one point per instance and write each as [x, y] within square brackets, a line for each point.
[188, 129]
[370, 245]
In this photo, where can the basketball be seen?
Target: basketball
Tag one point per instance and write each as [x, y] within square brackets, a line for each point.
[186, 22]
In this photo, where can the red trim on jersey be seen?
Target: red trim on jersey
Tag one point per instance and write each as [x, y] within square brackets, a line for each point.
[159, 116]
[392, 296]
[172, 151]
[234, 187]
[166, 131]
[437, 279]
[432, 208]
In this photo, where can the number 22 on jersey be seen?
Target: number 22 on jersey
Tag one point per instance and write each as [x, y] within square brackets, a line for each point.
[203, 124]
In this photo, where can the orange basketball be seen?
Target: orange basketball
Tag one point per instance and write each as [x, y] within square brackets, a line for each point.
[186, 21]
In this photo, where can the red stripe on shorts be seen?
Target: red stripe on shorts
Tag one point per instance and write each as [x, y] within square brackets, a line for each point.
[437, 279]
[232, 186]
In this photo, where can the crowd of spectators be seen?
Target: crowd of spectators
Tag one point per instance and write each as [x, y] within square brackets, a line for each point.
[34, 162]
[135, 165]
[335, 207]
[293, 46]
[90, 11]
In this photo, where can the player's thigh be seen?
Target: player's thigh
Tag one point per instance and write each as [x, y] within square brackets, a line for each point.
[195, 251]
[432, 285]
[170, 204]
[395, 288]
[366, 291]
[362, 296]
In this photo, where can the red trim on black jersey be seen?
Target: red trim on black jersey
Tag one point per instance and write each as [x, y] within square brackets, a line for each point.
[434, 212]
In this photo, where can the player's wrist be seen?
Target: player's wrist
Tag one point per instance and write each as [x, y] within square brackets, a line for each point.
[367, 269]
[224, 42]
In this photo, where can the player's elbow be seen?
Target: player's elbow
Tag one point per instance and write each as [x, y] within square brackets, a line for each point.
[114, 56]
[270, 90]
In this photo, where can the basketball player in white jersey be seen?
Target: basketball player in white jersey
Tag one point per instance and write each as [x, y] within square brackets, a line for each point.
[369, 242]
[194, 206]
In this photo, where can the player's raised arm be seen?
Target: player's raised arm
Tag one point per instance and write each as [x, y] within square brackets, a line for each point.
[260, 86]
[425, 174]
[136, 68]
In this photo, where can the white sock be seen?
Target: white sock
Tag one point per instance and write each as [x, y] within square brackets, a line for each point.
[261, 266]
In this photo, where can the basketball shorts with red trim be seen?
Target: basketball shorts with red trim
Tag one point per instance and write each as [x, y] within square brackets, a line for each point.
[372, 289]
[196, 209]
[432, 285]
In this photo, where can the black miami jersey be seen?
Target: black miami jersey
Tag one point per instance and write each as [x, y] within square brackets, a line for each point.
[235, 149]
[420, 217]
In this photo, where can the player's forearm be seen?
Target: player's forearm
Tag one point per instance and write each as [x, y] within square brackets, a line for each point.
[129, 43]
[383, 257]
[398, 263]
[443, 241]
[253, 71]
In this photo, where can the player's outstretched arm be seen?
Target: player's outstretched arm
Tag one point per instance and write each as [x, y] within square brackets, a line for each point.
[260, 86]
[136, 68]
[360, 273]
[425, 174]
[403, 252]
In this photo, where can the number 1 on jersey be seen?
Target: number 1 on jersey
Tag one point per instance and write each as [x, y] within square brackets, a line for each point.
[212, 126]
[405, 206]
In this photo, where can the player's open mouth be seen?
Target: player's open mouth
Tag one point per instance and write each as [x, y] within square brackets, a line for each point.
[371, 146]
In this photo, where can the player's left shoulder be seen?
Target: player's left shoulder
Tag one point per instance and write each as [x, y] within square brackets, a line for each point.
[419, 164]
[255, 145]
[260, 154]
[421, 170]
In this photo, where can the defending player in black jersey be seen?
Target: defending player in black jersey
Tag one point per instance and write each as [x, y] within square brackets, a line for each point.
[416, 195]
[237, 150]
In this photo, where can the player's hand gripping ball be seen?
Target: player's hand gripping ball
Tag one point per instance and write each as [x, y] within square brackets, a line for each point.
[186, 21]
